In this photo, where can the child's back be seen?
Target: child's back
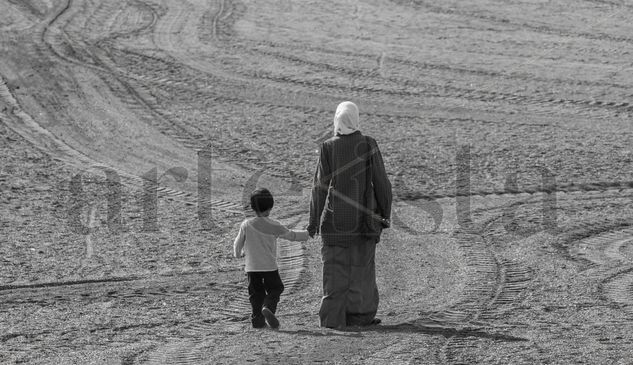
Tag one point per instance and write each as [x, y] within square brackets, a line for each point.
[257, 240]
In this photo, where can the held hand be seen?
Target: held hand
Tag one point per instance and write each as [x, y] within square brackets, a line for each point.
[311, 231]
[385, 222]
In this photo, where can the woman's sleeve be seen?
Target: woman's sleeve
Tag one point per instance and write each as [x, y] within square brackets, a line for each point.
[382, 185]
[322, 177]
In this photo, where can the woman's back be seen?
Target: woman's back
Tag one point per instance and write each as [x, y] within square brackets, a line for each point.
[341, 179]
[347, 159]
[350, 296]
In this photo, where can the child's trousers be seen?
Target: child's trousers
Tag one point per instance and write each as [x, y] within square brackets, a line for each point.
[264, 289]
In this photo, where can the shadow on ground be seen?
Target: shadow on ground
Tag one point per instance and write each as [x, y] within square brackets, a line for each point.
[411, 327]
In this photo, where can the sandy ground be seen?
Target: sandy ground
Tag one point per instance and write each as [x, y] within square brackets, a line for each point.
[131, 131]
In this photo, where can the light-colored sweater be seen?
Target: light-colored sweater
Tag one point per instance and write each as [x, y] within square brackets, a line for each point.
[257, 240]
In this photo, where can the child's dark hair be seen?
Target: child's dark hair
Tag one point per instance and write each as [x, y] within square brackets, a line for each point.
[262, 200]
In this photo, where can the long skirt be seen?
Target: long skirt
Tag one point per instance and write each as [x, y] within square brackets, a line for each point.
[350, 293]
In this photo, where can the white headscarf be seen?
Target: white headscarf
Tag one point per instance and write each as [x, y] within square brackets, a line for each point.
[346, 119]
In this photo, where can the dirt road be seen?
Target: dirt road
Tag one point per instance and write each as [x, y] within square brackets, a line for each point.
[131, 130]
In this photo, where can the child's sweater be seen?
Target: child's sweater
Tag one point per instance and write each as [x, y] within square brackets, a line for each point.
[257, 240]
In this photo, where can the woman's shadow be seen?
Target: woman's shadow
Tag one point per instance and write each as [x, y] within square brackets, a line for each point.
[414, 326]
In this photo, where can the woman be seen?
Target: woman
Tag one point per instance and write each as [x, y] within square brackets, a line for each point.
[337, 212]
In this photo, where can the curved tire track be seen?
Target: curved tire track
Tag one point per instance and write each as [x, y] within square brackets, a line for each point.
[541, 28]
[495, 291]
[428, 90]
[44, 140]
[610, 254]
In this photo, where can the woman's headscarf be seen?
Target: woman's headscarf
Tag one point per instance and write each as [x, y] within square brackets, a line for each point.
[346, 118]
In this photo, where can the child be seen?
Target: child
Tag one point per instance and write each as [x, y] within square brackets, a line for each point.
[257, 240]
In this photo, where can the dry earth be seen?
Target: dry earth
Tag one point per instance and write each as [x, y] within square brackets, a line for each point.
[514, 114]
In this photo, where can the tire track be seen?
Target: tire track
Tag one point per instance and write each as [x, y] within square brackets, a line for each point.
[620, 4]
[186, 140]
[8, 287]
[289, 52]
[28, 6]
[47, 142]
[134, 285]
[168, 126]
[498, 286]
[618, 288]
[543, 29]
[178, 352]
[306, 177]
[428, 89]
[476, 296]
[233, 304]
[184, 51]
[609, 252]
[293, 266]
[20, 17]
[166, 40]
[570, 242]
[184, 136]
[444, 91]
[60, 44]
[601, 186]
[605, 249]
[496, 289]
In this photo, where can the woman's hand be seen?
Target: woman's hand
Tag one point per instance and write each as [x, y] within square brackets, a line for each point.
[312, 230]
[385, 222]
